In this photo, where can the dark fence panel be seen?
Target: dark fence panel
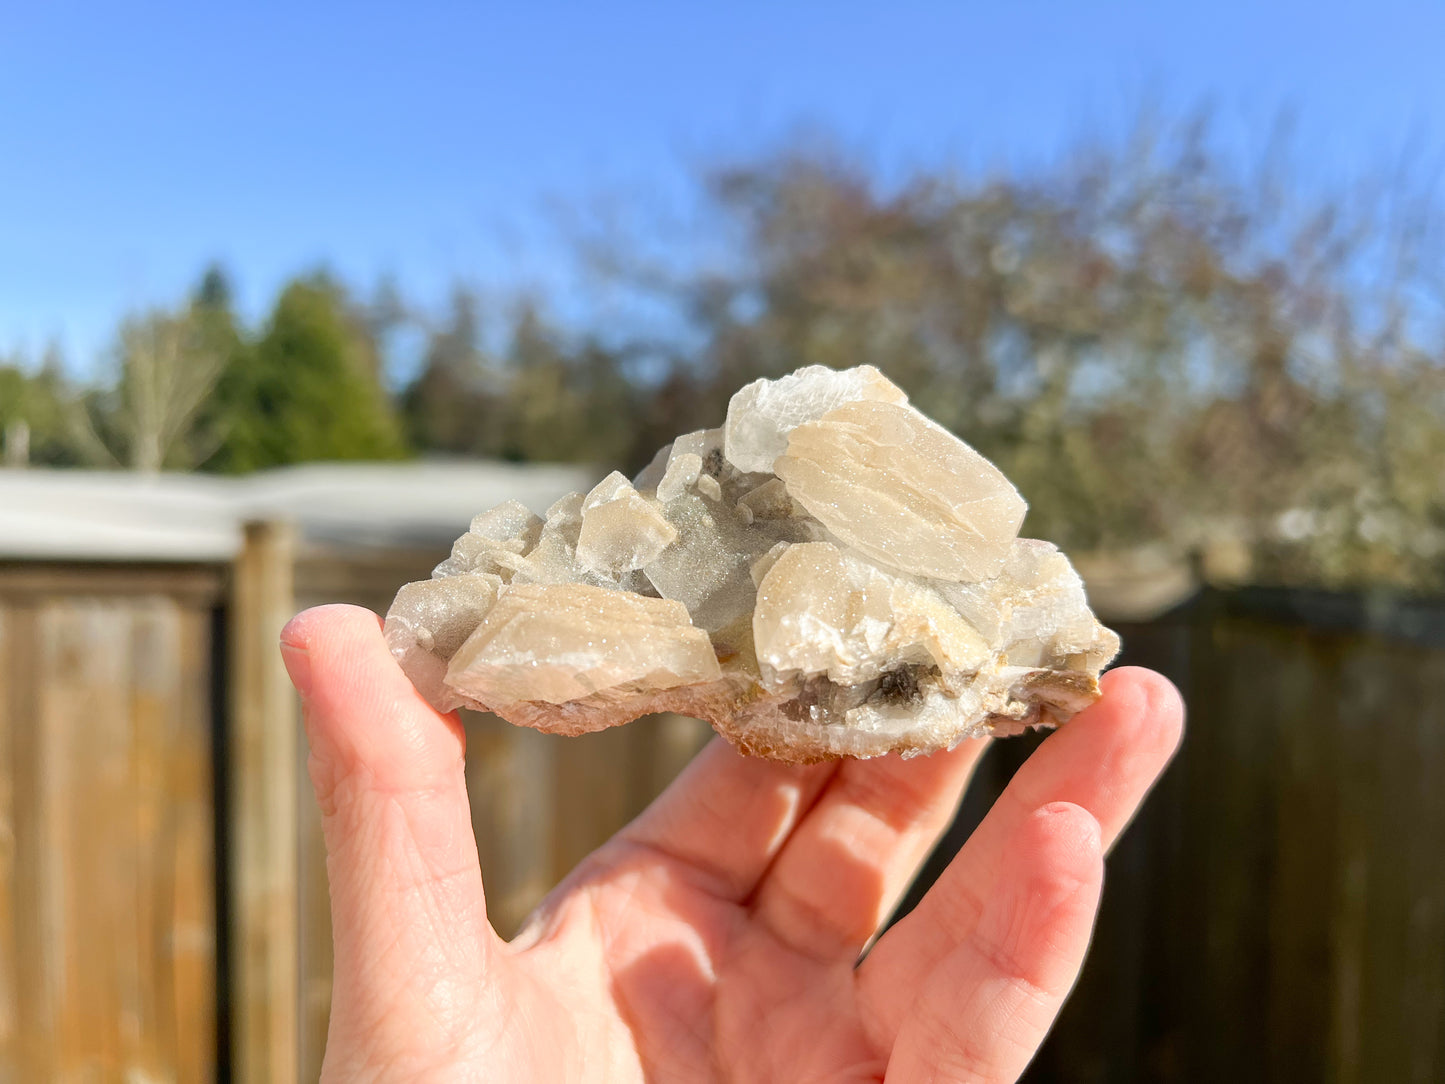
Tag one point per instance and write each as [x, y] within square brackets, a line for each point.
[1277, 912]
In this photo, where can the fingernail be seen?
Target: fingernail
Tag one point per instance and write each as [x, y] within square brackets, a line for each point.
[298, 666]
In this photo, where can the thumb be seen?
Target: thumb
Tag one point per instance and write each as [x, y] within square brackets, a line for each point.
[409, 922]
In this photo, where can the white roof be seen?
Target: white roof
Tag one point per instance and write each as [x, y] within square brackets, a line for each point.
[116, 515]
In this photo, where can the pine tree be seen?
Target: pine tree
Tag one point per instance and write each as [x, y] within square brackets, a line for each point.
[308, 389]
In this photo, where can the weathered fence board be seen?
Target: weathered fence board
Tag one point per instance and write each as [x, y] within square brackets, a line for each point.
[107, 950]
[265, 773]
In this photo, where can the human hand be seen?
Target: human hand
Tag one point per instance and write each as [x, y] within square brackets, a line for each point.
[717, 937]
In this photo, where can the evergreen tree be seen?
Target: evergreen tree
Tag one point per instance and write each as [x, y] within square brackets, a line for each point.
[34, 414]
[564, 405]
[456, 403]
[308, 389]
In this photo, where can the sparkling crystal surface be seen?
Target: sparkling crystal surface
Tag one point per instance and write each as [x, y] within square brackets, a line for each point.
[621, 531]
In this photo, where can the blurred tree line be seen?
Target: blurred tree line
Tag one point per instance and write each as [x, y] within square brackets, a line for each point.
[1162, 349]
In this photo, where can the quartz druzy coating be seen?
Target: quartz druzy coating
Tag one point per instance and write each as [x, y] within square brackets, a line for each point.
[829, 574]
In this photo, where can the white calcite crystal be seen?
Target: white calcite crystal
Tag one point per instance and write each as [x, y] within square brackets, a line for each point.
[829, 574]
[763, 415]
[620, 531]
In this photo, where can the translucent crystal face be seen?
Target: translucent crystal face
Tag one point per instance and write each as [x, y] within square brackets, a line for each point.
[620, 531]
[763, 414]
[822, 611]
[830, 573]
[560, 642]
[894, 486]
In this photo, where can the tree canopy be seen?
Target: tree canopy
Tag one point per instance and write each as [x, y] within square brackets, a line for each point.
[1162, 346]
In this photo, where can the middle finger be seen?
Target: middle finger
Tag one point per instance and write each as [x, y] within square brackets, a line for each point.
[849, 861]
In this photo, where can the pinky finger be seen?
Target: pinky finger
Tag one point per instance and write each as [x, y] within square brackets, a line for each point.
[985, 1009]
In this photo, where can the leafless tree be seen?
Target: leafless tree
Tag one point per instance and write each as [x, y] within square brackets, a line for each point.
[166, 369]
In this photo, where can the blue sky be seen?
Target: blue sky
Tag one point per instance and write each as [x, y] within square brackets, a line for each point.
[430, 141]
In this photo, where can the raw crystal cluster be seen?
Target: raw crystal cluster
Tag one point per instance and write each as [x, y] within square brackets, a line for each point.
[828, 574]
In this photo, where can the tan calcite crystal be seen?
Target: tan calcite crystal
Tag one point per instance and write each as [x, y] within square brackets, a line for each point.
[559, 641]
[828, 574]
[901, 490]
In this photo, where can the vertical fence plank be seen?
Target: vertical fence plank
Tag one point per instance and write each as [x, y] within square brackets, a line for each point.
[189, 836]
[1418, 757]
[512, 789]
[1357, 791]
[314, 929]
[1403, 965]
[11, 711]
[594, 799]
[1226, 766]
[264, 816]
[1303, 684]
[1168, 647]
[151, 659]
[36, 1011]
[1427, 909]
[89, 884]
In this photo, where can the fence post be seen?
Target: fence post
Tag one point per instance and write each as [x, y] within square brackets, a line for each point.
[263, 813]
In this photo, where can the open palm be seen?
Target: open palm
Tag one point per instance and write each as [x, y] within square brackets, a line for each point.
[718, 936]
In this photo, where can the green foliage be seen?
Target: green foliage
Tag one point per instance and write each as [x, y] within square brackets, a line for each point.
[568, 407]
[308, 389]
[538, 401]
[34, 415]
[456, 404]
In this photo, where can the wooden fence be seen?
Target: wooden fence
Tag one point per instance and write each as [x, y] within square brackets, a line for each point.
[163, 903]
[107, 907]
[1277, 913]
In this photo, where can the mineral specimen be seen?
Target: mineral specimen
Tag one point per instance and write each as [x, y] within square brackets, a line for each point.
[829, 574]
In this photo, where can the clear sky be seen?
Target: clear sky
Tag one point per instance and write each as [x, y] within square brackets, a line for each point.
[139, 141]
